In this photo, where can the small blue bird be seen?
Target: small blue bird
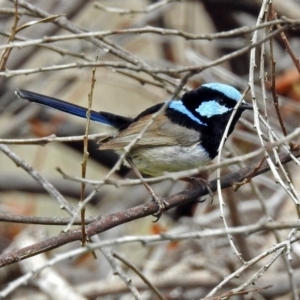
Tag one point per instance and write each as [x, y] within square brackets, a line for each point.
[185, 136]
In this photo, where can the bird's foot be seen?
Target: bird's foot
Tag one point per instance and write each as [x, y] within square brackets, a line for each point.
[197, 181]
[162, 205]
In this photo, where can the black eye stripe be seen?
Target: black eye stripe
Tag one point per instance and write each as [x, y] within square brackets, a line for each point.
[194, 98]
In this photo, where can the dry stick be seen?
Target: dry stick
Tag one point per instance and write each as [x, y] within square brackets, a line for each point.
[140, 274]
[117, 270]
[272, 15]
[273, 80]
[257, 124]
[51, 47]
[112, 220]
[193, 70]
[237, 273]
[6, 52]
[221, 201]
[56, 221]
[255, 187]
[51, 139]
[144, 10]
[65, 52]
[287, 258]
[287, 44]
[236, 219]
[148, 29]
[86, 155]
[119, 52]
[148, 239]
[275, 136]
[294, 59]
[50, 282]
[145, 240]
[254, 278]
[39, 178]
[231, 293]
[12, 11]
[257, 116]
[154, 72]
[262, 80]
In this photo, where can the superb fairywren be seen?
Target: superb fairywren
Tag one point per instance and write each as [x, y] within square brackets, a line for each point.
[185, 135]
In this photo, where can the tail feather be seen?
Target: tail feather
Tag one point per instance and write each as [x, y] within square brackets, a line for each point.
[103, 118]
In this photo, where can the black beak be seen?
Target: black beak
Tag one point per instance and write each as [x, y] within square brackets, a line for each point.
[244, 105]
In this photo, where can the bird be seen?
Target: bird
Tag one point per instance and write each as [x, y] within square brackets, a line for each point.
[185, 135]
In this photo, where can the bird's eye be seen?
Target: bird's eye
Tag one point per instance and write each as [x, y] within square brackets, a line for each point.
[221, 101]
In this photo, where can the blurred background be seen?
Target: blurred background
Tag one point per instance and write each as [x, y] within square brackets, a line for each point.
[187, 269]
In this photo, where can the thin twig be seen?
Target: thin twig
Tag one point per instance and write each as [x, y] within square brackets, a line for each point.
[38, 177]
[140, 274]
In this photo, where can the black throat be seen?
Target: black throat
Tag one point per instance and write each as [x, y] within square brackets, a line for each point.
[213, 133]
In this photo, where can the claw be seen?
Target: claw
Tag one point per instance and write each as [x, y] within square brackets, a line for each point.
[162, 205]
[199, 181]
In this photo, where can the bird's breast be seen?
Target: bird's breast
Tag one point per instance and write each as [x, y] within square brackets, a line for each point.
[155, 161]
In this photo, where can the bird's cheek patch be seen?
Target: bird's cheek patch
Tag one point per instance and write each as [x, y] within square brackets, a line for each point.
[211, 108]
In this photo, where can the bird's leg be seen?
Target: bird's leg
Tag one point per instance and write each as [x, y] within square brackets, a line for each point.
[162, 204]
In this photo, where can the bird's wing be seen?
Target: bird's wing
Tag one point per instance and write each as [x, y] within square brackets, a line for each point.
[160, 133]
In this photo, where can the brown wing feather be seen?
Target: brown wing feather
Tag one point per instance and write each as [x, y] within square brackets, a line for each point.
[160, 133]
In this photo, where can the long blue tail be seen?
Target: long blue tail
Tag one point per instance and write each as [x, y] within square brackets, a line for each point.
[62, 106]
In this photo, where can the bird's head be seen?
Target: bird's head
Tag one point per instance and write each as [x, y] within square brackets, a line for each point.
[210, 106]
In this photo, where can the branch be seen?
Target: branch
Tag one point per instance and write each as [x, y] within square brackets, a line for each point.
[112, 220]
[154, 72]
[149, 29]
